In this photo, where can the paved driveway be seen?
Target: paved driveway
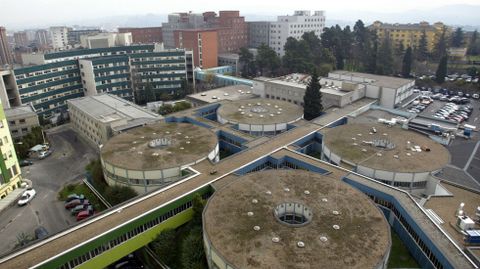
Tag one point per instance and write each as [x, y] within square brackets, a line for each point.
[66, 164]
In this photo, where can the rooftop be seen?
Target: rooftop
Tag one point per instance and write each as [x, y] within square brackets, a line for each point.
[446, 206]
[232, 93]
[260, 111]
[382, 81]
[107, 108]
[184, 144]
[20, 111]
[353, 143]
[230, 228]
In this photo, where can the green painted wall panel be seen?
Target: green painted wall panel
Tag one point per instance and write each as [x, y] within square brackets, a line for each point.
[136, 242]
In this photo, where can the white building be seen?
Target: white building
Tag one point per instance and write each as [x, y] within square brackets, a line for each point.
[97, 118]
[295, 26]
[390, 91]
[106, 40]
[59, 37]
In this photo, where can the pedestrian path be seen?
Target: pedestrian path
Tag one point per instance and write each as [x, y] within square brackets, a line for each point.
[10, 199]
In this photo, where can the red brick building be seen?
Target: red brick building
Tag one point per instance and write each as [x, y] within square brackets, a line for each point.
[144, 35]
[203, 43]
[232, 30]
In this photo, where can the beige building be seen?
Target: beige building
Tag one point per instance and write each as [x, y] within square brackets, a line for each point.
[106, 40]
[409, 35]
[21, 120]
[97, 118]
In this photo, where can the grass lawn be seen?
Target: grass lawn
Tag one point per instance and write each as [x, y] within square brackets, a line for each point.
[81, 188]
[399, 255]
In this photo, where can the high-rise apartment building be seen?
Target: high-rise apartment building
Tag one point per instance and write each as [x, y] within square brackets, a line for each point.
[5, 52]
[180, 21]
[232, 30]
[42, 39]
[302, 21]
[144, 35]
[106, 40]
[409, 35]
[21, 39]
[203, 43]
[125, 71]
[10, 174]
[59, 37]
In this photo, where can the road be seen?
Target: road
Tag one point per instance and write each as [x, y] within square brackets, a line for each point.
[48, 176]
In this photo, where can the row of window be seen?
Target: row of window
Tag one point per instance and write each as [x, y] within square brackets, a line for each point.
[126, 236]
[40, 82]
[426, 250]
[46, 71]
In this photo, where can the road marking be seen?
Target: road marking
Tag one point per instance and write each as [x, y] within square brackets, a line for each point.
[471, 156]
[474, 120]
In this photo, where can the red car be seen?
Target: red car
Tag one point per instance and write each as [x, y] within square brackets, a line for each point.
[84, 214]
[76, 202]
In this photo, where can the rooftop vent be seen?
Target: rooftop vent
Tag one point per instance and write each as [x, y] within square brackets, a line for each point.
[275, 239]
[254, 201]
[250, 213]
[336, 227]
[323, 238]
[300, 244]
[256, 228]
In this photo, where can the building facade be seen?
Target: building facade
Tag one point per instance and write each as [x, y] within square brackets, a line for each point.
[21, 39]
[107, 75]
[302, 21]
[232, 30]
[10, 176]
[74, 35]
[124, 71]
[258, 33]
[409, 35]
[97, 118]
[5, 52]
[203, 43]
[106, 40]
[59, 37]
[180, 21]
[21, 120]
[42, 39]
[144, 35]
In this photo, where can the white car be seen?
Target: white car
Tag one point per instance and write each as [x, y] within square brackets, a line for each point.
[27, 196]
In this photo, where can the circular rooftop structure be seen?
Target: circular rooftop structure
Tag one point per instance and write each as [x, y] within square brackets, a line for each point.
[293, 219]
[391, 154]
[260, 116]
[153, 155]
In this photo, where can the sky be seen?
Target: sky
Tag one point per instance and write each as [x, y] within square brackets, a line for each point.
[24, 13]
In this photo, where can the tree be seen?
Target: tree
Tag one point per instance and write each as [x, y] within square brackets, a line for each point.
[197, 207]
[165, 246]
[267, 60]
[165, 109]
[246, 60]
[384, 57]
[473, 46]
[441, 70]
[440, 49]
[298, 57]
[422, 49]
[193, 254]
[407, 63]
[34, 137]
[117, 194]
[457, 38]
[313, 98]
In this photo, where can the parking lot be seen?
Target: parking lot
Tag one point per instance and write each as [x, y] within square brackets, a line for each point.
[48, 176]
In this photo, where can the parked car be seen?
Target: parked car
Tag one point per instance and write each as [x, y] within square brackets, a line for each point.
[44, 154]
[27, 196]
[74, 196]
[76, 202]
[41, 233]
[84, 214]
[80, 208]
[25, 163]
[475, 96]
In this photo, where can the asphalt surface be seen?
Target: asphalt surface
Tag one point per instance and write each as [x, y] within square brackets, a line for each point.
[48, 176]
